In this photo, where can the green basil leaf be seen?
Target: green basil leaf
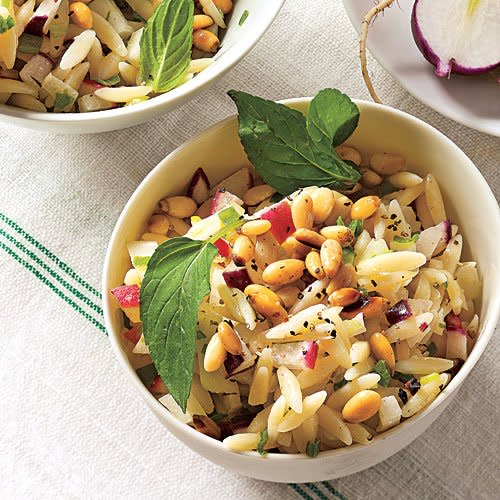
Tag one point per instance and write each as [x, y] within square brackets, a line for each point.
[327, 127]
[165, 47]
[277, 143]
[385, 375]
[177, 279]
[312, 448]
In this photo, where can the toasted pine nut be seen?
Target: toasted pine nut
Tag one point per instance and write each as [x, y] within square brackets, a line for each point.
[224, 5]
[342, 234]
[343, 297]
[403, 180]
[267, 250]
[205, 41]
[206, 426]
[243, 250]
[178, 206]
[159, 224]
[357, 187]
[267, 303]
[371, 308]
[229, 339]
[215, 354]
[309, 237]
[382, 349]
[294, 249]
[346, 277]
[387, 163]
[361, 406]
[255, 227]
[288, 295]
[314, 266]
[159, 238]
[202, 21]
[178, 225]
[331, 257]
[302, 214]
[365, 207]
[284, 272]
[258, 194]
[323, 203]
[342, 209]
[349, 153]
[204, 209]
[81, 15]
[370, 178]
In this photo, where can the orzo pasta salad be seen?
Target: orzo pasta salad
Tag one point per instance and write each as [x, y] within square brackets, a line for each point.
[293, 316]
[91, 55]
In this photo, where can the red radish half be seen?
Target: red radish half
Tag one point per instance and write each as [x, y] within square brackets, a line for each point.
[199, 189]
[311, 354]
[127, 295]
[237, 278]
[458, 36]
[223, 247]
[280, 217]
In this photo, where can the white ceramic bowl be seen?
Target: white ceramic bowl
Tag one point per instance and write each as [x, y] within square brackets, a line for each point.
[237, 42]
[469, 201]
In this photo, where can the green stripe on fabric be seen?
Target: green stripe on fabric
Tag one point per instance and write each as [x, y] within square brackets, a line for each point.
[316, 491]
[56, 290]
[86, 300]
[298, 489]
[331, 489]
[65, 267]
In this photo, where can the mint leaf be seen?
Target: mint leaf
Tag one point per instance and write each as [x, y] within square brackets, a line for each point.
[312, 448]
[332, 118]
[385, 375]
[177, 279]
[262, 443]
[6, 23]
[165, 47]
[277, 143]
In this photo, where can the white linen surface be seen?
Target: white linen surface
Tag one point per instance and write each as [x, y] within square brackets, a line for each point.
[71, 426]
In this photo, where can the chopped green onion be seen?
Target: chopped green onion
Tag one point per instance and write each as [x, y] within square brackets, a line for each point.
[29, 44]
[413, 239]
[402, 377]
[243, 17]
[262, 442]
[348, 255]
[356, 226]
[312, 448]
[6, 23]
[109, 81]
[385, 375]
[340, 384]
[340, 221]
[62, 101]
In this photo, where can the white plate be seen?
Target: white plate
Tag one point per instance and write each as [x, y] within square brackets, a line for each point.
[471, 100]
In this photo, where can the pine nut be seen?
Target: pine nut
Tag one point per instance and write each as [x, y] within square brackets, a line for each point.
[370, 178]
[267, 303]
[361, 406]
[229, 339]
[204, 209]
[243, 250]
[178, 225]
[350, 154]
[258, 194]
[159, 224]
[323, 203]
[178, 206]
[382, 349]
[403, 180]
[224, 5]
[81, 15]
[294, 249]
[365, 207]
[288, 295]
[346, 277]
[309, 237]
[343, 297]
[202, 21]
[342, 209]
[284, 272]
[266, 250]
[331, 257]
[255, 227]
[357, 187]
[371, 308]
[387, 163]
[215, 354]
[314, 266]
[206, 426]
[302, 215]
[205, 41]
[342, 234]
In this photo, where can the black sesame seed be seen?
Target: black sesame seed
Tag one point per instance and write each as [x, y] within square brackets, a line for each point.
[393, 216]
[374, 283]
[300, 295]
[318, 295]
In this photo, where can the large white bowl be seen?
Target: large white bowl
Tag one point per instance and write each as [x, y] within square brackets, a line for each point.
[470, 203]
[237, 42]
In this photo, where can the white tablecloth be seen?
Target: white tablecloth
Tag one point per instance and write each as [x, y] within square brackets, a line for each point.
[70, 424]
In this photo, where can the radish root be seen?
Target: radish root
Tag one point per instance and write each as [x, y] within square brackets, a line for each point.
[370, 15]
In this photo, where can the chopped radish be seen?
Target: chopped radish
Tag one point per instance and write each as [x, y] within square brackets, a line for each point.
[127, 295]
[223, 247]
[237, 278]
[42, 17]
[457, 36]
[199, 188]
[433, 240]
[280, 217]
[311, 354]
[453, 322]
[238, 183]
[456, 344]
[157, 387]
[223, 199]
[398, 312]
[134, 334]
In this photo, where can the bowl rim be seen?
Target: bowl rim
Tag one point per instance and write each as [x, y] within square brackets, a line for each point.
[488, 325]
[185, 91]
